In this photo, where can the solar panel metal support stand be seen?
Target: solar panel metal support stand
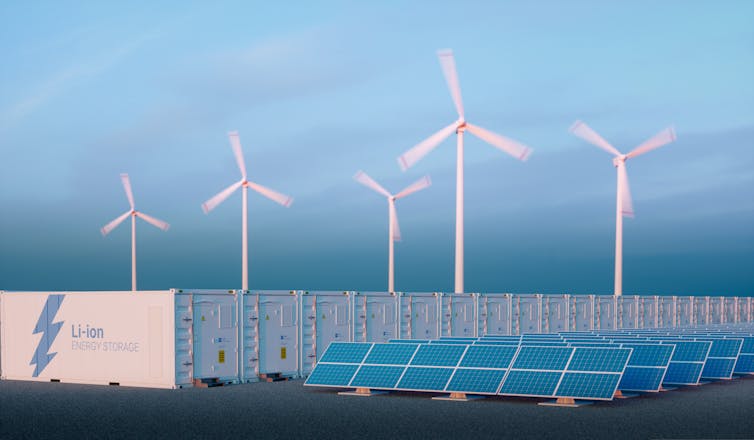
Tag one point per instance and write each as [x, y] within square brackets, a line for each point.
[458, 397]
[362, 392]
[621, 395]
[567, 402]
[664, 388]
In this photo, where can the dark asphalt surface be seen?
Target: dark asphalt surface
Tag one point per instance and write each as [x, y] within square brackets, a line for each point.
[721, 410]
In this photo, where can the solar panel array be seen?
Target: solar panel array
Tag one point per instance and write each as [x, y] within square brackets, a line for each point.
[574, 365]
[584, 373]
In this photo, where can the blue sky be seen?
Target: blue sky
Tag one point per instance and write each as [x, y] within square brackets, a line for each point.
[319, 90]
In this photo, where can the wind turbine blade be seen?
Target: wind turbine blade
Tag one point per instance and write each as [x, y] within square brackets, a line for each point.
[114, 224]
[414, 187]
[410, 157]
[584, 132]
[127, 187]
[154, 221]
[394, 221]
[666, 136]
[627, 206]
[448, 63]
[515, 149]
[271, 194]
[367, 181]
[220, 197]
[235, 142]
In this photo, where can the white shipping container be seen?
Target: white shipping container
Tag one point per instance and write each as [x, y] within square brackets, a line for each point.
[278, 332]
[160, 339]
[744, 309]
[605, 312]
[459, 314]
[375, 316]
[494, 314]
[701, 310]
[667, 309]
[419, 313]
[730, 306]
[326, 318]
[527, 313]
[628, 311]
[648, 312]
[582, 312]
[716, 314]
[684, 315]
[555, 313]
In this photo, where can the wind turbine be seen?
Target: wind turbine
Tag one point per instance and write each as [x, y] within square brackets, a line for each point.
[212, 203]
[623, 205]
[394, 233]
[410, 157]
[133, 213]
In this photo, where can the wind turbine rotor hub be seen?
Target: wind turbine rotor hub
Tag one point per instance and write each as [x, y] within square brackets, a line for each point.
[618, 160]
[461, 127]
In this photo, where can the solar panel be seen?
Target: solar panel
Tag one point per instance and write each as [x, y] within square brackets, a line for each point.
[600, 386]
[488, 356]
[346, 352]
[408, 341]
[530, 383]
[744, 364]
[331, 375]
[391, 354]
[650, 355]
[642, 379]
[718, 368]
[475, 381]
[612, 360]
[683, 373]
[542, 358]
[376, 376]
[425, 379]
[438, 355]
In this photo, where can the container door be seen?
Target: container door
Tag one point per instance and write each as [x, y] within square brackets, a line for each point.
[556, 313]
[582, 312]
[424, 323]
[215, 337]
[605, 318]
[717, 310]
[684, 311]
[730, 305]
[332, 321]
[380, 318]
[528, 313]
[628, 307]
[701, 310]
[666, 311]
[648, 311]
[498, 319]
[462, 319]
[744, 305]
[184, 351]
[278, 334]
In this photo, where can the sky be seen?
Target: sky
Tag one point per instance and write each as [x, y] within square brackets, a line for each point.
[320, 90]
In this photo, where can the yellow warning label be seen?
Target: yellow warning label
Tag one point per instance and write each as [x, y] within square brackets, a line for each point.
[267, 317]
[221, 357]
[202, 317]
[372, 315]
[283, 353]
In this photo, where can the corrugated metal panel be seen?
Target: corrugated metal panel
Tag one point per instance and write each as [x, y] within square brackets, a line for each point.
[684, 315]
[667, 311]
[326, 318]
[419, 315]
[494, 314]
[628, 311]
[605, 312]
[582, 312]
[279, 332]
[459, 314]
[555, 313]
[527, 313]
[648, 312]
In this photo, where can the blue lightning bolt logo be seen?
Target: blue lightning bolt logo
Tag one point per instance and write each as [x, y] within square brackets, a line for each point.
[49, 331]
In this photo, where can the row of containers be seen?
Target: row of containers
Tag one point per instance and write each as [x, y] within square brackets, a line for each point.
[179, 337]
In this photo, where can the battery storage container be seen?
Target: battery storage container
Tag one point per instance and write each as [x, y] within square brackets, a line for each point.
[159, 339]
[494, 314]
[459, 314]
[375, 316]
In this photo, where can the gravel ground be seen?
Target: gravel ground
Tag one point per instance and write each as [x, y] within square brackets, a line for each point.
[721, 410]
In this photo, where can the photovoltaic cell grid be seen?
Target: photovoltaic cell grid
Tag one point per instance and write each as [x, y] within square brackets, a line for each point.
[574, 372]
[722, 358]
[687, 362]
[646, 368]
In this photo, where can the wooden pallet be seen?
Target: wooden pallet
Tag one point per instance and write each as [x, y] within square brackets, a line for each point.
[208, 382]
[272, 377]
